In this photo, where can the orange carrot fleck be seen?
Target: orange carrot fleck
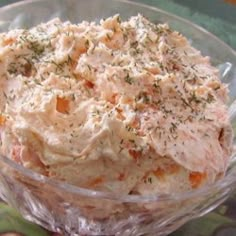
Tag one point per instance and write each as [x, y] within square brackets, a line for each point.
[2, 120]
[136, 123]
[196, 178]
[159, 173]
[135, 154]
[119, 110]
[89, 84]
[96, 181]
[8, 41]
[113, 98]
[62, 105]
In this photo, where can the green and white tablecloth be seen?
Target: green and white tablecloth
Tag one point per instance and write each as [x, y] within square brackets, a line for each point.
[218, 17]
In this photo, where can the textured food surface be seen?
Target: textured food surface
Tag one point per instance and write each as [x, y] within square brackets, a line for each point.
[120, 106]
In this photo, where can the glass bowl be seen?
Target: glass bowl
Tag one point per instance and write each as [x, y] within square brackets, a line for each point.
[71, 210]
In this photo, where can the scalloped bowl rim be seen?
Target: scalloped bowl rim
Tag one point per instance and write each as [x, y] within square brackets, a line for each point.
[224, 182]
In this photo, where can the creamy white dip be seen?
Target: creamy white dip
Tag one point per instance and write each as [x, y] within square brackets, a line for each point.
[127, 107]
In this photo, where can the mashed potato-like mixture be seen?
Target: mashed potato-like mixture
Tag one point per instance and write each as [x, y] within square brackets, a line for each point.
[126, 107]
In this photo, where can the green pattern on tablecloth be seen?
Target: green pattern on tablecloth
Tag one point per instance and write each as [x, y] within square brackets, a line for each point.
[11, 221]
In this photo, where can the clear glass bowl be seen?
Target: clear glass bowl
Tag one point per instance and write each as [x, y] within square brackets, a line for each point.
[70, 210]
